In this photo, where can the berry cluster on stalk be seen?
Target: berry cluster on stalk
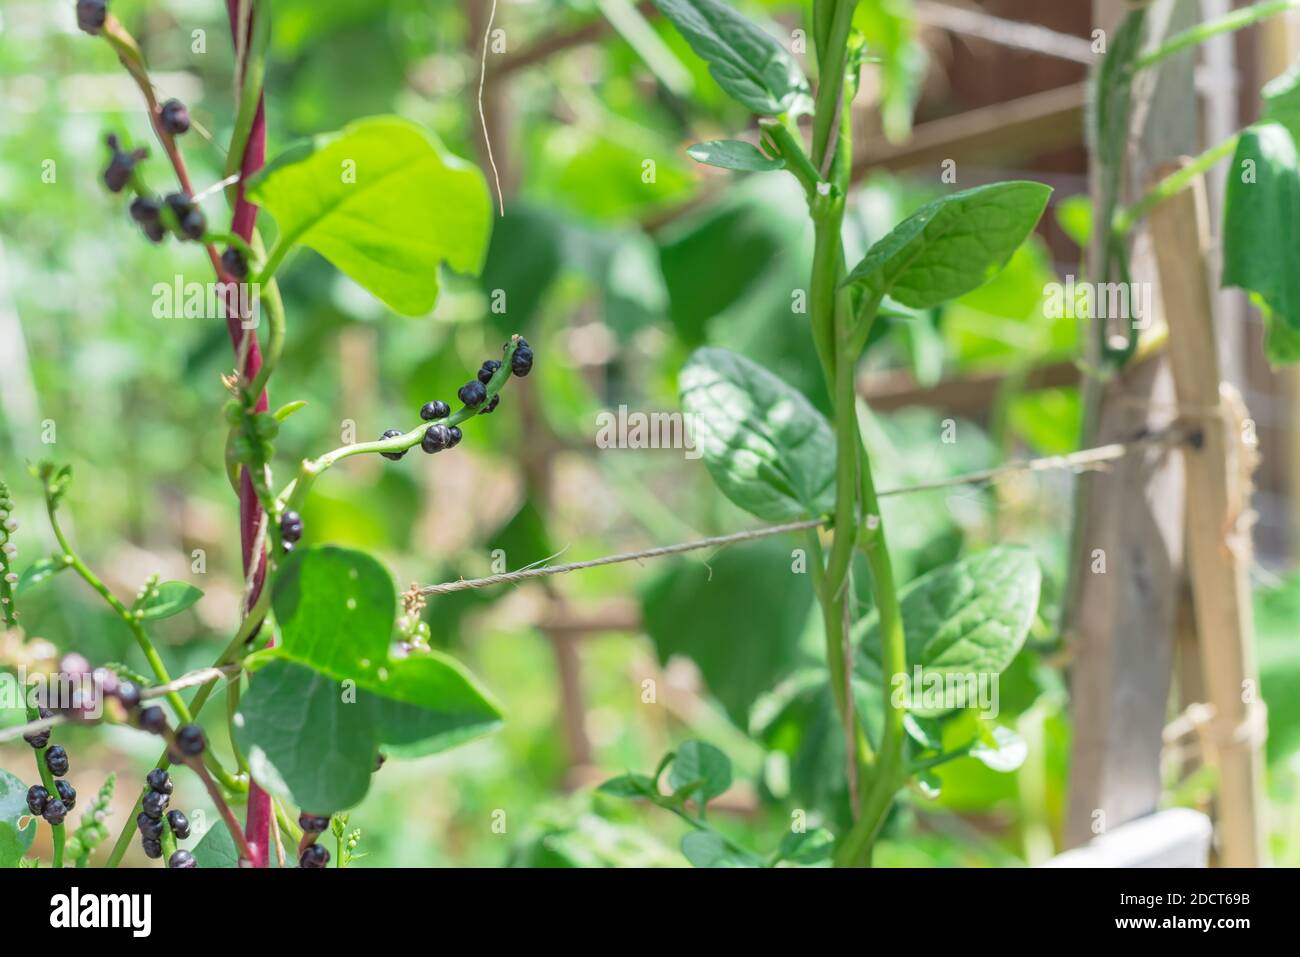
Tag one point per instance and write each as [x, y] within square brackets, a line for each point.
[474, 395]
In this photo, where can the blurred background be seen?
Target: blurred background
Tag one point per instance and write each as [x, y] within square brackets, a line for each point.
[614, 277]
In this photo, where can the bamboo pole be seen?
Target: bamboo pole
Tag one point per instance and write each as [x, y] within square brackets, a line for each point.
[1218, 546]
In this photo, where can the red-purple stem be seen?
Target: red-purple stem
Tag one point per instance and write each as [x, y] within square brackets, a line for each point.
[258, 827]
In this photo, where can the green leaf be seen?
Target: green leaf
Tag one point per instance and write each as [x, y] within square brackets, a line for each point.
[38, 571]
[690, 609]
[807, 847]
[733, 154]
[707, 849]
[216, 848]
[952, 245]
[1281, 342]
[629, 786]
[1005, 752]
[314, 717]
[307, 738]
[767, 448]
[700, 771]
[166, 600]
[753, 68]
[385, 202]
[13, 807]
[1261, 243]
[968, 618]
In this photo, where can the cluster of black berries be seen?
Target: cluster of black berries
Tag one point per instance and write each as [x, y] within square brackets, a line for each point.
[39, 800]
[290, 530]
[440, 436]
[182, 214]
[154, 818]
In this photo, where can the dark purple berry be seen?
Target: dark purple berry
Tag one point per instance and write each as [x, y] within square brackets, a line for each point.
[154, 804]
[67, 794]
[121, 165]
[145, 210]
[182, 858]
[152, 847]
[56, 759]
[488, 370]
[437, 409]
[175, 117]
[154, 232]
[456, 435]
[491, 406]
[436, 438]
[151, 828]
[314, 855]
[37, 798]
[472, 393]
[153, 719]
[394, 456]
[91, 15]
[179, 824]
[235, 263]
[190, 740]
[291, 527]
[128, 693]
[159, 781]
[38, 739]
[521, 363]
[190, 221]
[313, 823]
[55, 811]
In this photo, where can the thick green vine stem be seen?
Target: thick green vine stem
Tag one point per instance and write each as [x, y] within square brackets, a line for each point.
[840, 334]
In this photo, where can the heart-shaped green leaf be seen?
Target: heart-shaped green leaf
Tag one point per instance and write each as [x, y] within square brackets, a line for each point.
[969, 618]
[166, 600]
[316, 715]
[751, 66]
[952, 245]
[383, 201]
[733, 154]
[768, 449]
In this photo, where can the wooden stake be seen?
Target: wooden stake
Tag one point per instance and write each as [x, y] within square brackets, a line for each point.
[1218, 534]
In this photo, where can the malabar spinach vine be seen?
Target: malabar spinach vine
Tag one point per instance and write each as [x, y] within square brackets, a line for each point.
[773, 454]
[324, 678]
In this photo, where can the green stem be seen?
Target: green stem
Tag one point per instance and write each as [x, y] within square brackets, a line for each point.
[150, 653]
[830, 80]
[787, 145]
[1173, 184]
[890, 769]
[231, 653]
[47, 781]
[1198, 34]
